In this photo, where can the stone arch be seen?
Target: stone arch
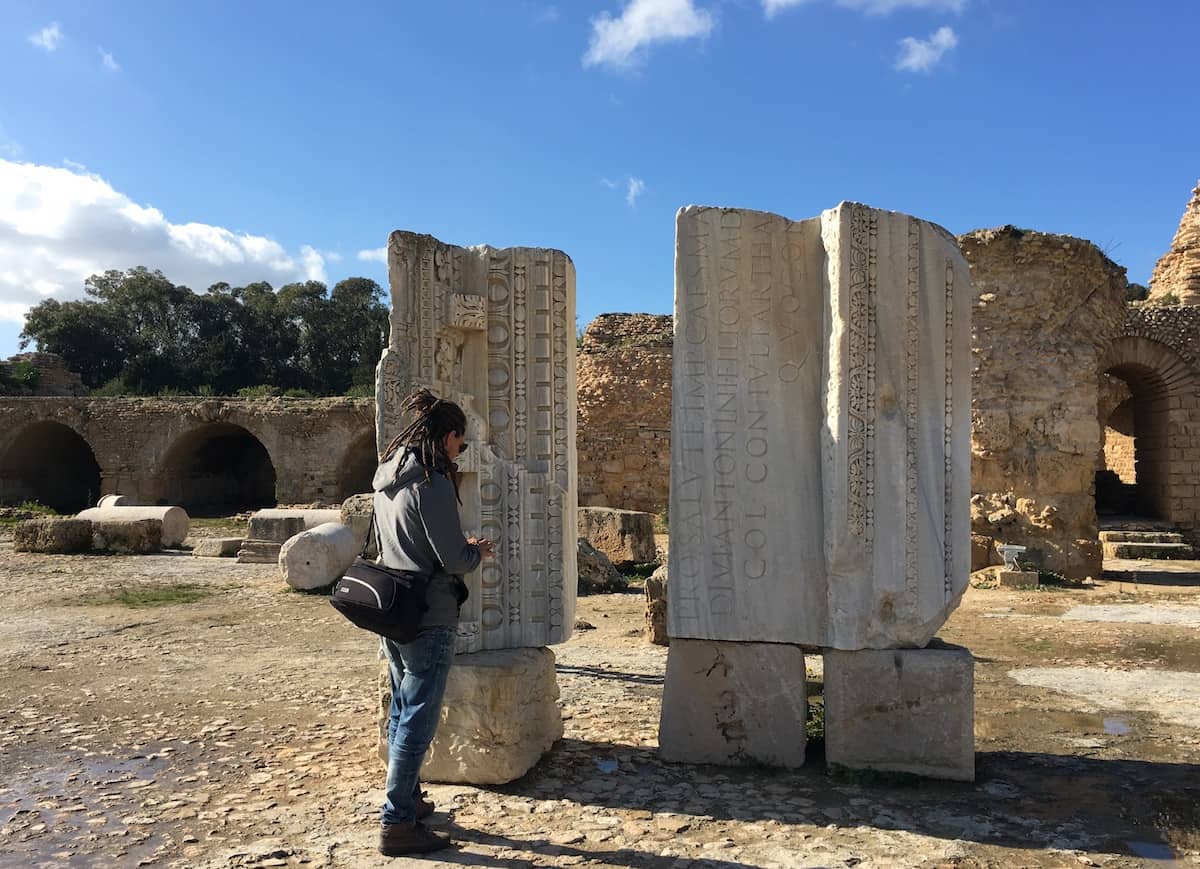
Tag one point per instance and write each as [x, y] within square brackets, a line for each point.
[1166, 426]
[52, 464]
[218, 468]
[357, 467]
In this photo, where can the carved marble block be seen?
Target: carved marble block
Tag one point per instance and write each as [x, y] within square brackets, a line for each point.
[494, 331]
[820, 461]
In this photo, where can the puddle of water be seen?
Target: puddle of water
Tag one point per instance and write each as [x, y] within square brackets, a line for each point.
[1115, 726]
[1150, 850]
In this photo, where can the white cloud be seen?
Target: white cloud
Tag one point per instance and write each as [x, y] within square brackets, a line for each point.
[921, 55]
[871, 7]
[622, 42]
[57, 227]
[107, 60]
[609, 183]
[48, 37]
[635, 189]
[374, 255]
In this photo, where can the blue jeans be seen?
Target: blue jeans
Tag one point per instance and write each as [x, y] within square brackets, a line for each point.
[417, 671]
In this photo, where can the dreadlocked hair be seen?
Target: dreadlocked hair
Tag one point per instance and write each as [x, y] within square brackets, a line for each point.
[425, 436]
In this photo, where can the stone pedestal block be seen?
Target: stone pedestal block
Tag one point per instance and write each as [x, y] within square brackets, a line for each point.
[217, 547]
[902, 710]
[53, 535]
[175, 520]
[734, 703]
[317, 557]
[499, 716]
[128, 536]
[1018, 578]
[625, 536]
[276, 529]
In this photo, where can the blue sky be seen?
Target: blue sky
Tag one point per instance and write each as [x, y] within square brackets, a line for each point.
[263, 140]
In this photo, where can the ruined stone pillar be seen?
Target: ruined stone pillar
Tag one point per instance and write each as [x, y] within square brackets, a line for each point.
[494, 331]
[820, 477]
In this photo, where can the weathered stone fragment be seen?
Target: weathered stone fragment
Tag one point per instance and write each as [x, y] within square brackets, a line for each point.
[259, 552]
[279, 524]
[1017, 578]
[494, 331]
[175, 520]
[499, 716]
[596, 572]
[820, 443]
[656, 607]
[1176, 276]
[901, 710]
[625, 536]
[356, 513]
[117, 501]
[127, 536]
[734, 703]
[217, 547]
[317, 557]
[53, 535]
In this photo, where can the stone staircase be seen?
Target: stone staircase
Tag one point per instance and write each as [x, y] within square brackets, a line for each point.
[1144, 544]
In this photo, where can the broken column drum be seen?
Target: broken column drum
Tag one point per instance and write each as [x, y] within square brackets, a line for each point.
[494, 331]
[820, 477]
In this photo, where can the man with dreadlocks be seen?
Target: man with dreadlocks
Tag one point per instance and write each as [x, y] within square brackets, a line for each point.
[416, 512]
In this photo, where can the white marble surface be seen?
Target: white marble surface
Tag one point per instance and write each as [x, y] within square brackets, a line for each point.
[820, 464]
[494, 331]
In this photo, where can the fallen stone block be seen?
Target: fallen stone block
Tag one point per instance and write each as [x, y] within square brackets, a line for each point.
[499, 716]
[273, 529]
[259, 552]
[1017, 578]
[356, 513]
[901, 710]
[625, 536]
[175, 520]
[733, 703]
[656, 607]
[596, 572]
[53, 535]
[117, 501]
[317, 557]
[217, 547]
[312, 517]
[127, 536]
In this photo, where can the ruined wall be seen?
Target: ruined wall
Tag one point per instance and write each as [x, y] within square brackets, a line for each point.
[624, 435]
[143, 447]
[54, 378]
[1046, 308]
[1177, 273]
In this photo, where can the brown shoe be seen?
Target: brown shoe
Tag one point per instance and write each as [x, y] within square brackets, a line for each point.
[424, 807]
[397, 840]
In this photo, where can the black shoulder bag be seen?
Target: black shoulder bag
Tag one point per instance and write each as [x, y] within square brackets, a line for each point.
[380, 599]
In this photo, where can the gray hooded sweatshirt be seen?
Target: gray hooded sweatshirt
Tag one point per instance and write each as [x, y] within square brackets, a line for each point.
[420, 530]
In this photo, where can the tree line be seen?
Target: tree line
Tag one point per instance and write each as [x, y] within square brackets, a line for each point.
[136, 333]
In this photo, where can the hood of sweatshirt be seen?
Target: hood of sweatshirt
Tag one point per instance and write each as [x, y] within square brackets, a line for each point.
[408, 468]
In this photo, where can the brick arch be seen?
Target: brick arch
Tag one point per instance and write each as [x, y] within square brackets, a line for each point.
[215, 468]
[52, 463]
[1166, 424]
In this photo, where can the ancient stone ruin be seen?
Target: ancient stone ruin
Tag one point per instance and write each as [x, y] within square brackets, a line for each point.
[1176, 276]
[820, 481]
[493, 330]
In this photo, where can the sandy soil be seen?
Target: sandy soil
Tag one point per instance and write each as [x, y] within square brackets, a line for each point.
[238, 729]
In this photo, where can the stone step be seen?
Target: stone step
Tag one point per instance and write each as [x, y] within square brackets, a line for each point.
[1140, 537]
[1147, 550]
[259, 552]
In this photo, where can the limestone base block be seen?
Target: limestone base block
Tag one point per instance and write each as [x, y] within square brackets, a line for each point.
[733, 703]
[276, 529]
[902, 710]
[175, 520]
[53, 535]
[128, 536]
[499, 716]
[317, 557]
[217, 547]
[1018, 578]
[625, 536]
[259, 552]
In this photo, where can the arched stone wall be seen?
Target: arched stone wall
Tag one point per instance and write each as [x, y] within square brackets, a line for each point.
[357, 468]
[50, 463]
[216, 469]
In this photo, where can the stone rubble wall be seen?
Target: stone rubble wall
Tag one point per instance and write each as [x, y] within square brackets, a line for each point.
[1046, 307]
[624, 431]
[1177, 273]
[54, 378]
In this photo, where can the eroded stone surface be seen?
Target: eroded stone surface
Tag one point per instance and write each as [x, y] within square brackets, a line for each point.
[820, 442]
[53, 535]
[902, 710]
[1176, 275]
[625, 536]
[175, 520]
[318, 556]
[734, 703]
[217, 547]
[494, 331]
[127, 536]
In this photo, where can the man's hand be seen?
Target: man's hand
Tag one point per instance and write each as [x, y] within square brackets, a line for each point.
[486, 547]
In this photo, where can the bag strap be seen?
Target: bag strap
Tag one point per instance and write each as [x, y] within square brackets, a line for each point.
[372, 531]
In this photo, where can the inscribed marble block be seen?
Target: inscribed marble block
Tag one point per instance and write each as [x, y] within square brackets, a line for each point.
[902, 710]
[820, 463]
[494, 331]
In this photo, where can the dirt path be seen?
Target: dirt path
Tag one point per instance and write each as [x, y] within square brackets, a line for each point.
[238, 729]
